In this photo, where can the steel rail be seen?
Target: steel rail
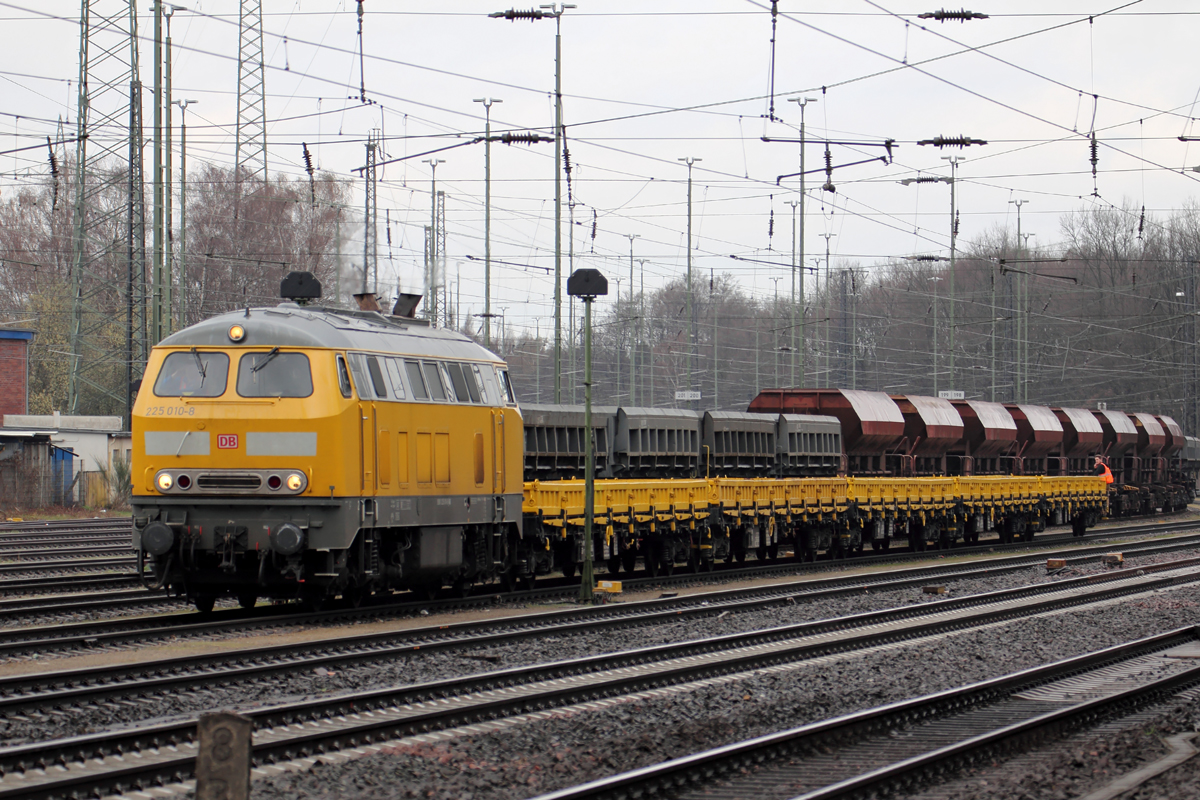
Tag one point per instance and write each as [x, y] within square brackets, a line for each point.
[693, 771]
[155, 754]
[75, 566]
[126, 630]
[92, 580]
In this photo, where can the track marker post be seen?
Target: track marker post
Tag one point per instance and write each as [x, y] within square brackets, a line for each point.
[223, 758]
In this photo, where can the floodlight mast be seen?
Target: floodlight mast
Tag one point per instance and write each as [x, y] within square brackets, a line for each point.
[587, 285]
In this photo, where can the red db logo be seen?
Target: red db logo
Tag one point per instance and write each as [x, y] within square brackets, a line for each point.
[227, 441]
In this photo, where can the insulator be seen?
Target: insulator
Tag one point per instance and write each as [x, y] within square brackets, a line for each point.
[1142, 222]
[566, 159]
[308, 165]
[951, 141]
[828, 162]
[942, 15]
[522, 138]
[771, 225]
[594, 224]
[956, 224]
[1095, 148]
[53, 160]
[513, 15]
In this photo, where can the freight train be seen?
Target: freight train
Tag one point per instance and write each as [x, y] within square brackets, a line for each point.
[309, 452]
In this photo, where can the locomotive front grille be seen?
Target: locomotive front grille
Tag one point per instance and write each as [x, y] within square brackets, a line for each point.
[228, 482]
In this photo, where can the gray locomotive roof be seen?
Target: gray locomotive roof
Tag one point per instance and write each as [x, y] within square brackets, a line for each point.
[291, 325]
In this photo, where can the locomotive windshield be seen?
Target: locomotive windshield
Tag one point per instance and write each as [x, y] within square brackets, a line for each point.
[274, 374]
[193, 374]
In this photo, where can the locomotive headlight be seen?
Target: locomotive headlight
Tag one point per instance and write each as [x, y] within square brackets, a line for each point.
[237, 333]
[165, 481]
[295, 481]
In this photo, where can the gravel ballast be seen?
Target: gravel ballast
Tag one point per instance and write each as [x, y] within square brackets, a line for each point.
[573, 747]
[323, 682]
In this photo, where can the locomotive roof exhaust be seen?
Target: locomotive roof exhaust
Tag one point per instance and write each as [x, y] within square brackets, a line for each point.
[367, 301]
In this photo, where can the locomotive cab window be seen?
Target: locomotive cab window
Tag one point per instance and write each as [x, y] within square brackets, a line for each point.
[193, 374]
[416, 380]
[377, 379]
[433, 379]
[274, 374]
[484, 394]
[394, 372]
[506, 388]
[469, 381]
[343, 377]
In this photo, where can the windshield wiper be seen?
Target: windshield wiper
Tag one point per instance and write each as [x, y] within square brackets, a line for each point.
[200, 366]
[274, 352]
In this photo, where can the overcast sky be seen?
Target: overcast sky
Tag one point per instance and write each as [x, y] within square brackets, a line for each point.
[650, 82]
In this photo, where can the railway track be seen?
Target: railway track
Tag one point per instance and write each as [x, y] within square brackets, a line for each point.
[902, 746]
[44, 607]
[124, 632]
[53, 526]
[164, 753]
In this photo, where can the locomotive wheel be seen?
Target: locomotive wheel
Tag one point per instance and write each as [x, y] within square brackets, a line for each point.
[525, 583]
[668, 565]
[881, 545]
[773, 552]
[462, 588]
[740, 556]
[205, 602]
[247, 598]
[706, 565]
[761, 554]
[613, 565]
[629, 560]
[652, 564]
[568, 569]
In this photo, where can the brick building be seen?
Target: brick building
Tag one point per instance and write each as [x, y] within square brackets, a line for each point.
[14, 370]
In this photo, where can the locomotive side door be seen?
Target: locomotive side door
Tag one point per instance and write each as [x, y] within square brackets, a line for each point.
[366, 423]
[366, 413]
[499, 478]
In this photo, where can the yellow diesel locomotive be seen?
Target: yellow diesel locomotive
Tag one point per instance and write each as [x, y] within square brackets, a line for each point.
[303, 451]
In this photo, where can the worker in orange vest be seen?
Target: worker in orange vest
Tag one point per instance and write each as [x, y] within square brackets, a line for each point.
[1103, 470]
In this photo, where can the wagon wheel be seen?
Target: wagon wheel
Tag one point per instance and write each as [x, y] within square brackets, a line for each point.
[247, 598]
[205, 602]
[613, 565]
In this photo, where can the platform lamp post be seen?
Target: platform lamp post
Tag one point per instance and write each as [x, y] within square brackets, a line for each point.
[587, 285]
[634, 340]
[689, 160]
[183, 107]
[433, 231]
[487, 218]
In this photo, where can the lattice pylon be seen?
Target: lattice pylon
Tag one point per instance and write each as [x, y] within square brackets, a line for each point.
[108, 275]
[251, 149]
[371, 218]
[439, 277]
